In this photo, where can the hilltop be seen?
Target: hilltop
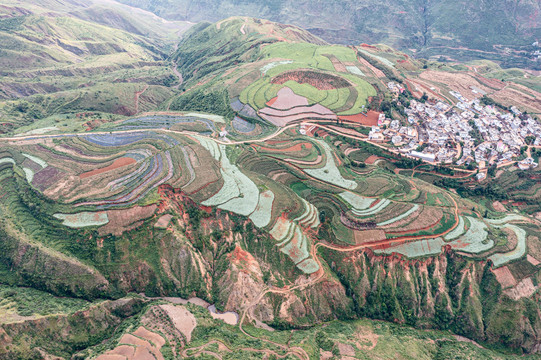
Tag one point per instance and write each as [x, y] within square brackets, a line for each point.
[243, 172]
[59, 59]
[462, 30]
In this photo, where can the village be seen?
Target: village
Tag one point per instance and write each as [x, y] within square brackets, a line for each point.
[468, 134]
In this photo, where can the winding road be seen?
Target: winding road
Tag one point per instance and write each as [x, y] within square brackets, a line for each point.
[296, 351]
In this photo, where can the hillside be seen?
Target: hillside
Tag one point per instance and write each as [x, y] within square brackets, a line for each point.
[166, 328]
[238, 171]
[57, 60]
[430, 28]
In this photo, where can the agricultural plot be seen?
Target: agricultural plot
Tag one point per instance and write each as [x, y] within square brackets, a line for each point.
[262, 214]
[330, 173]
[239, 194]
[274, 64]
[355, 70]
[292, 240]
[415, 249]
[288, 107]
[507, 219]
[457, 231]
[123, 139]
[413, 209]
[242, 125]
[315, 74]
[519, 251]
[475, 239]
[151, 122]
[83, 219]
[358, 202]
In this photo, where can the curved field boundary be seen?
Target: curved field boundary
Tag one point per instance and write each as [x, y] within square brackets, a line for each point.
[262, 214]
[330, 173]
[118, 163]
[519, 251]
[400, 217]
[83, 219]
[458, 231]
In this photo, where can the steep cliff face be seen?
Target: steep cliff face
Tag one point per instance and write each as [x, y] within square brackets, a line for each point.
[223, 259]
[31, 264]
[445, 292]
[62, 335]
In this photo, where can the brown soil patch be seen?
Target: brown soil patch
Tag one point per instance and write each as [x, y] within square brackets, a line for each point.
[512, 239]
[371, 159]
[124, 350]
[303, 162]
[325, 355]
[183, 320]
[368, 119]
[522, 96]
[498, 206]
[133, 340]
[368, 236]
[142, 353]
[338, 65]
[111, 357]
[525, 288]
[156, 339]
[124, 161]
[428, 218]
[125, 219]
[504, 277]
[163, 222]
[372, 68]
[321, 81]
[294, 148]
[532, 260]
[346, 349]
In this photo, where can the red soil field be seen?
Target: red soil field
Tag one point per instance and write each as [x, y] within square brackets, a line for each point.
[294, 148]
[504, 277]
[370, 119]
[115, 165]
[369, 46]
[321, 81]
[126, 219]
[271, 101]
[287, 99]
[371, 159]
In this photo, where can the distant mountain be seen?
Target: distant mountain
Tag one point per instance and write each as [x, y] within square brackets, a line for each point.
[72, 56]
[432, 28]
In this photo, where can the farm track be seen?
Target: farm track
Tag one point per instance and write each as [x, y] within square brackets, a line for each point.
[295, 351]
[137, 96]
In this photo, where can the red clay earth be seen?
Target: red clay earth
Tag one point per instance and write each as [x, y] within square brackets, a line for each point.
[286, 99]
[371, 159]
[294, 148]
[271, 101]
[115, 165]
[321, 81]
[126, 219]
[368, 119]
[504, 277]
[288, 107]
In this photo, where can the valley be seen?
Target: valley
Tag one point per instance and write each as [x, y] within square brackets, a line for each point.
[256, 167]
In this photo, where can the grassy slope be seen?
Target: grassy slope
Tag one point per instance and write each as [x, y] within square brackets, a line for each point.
[57, 61]
[210, 50]
[424, 25]
[368, 339]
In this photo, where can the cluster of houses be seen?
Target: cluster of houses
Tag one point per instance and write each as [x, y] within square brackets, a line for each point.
[464, 134]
